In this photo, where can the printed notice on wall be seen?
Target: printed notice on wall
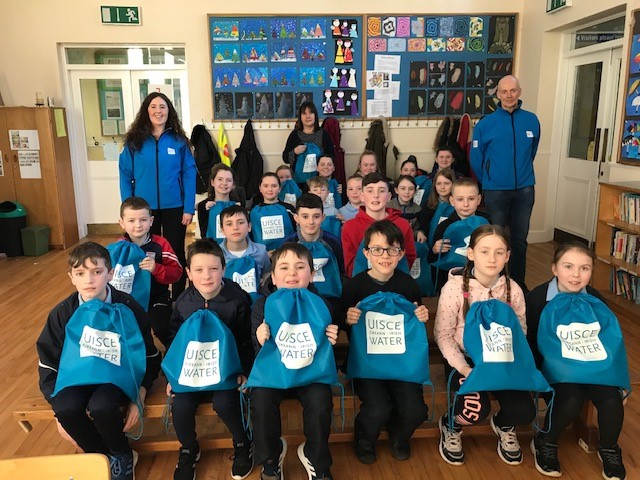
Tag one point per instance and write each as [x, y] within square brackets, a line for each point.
[29, 161]
[24, 140]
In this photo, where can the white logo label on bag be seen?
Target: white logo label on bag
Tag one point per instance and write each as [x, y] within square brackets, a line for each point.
[296, 345]
[272, 227]
[581, 341]
[385, 333]
[442, 219]
[101, 344]
[219, 232]
[290, 198]
[123, 276]
[417, 197]
[462, 251]
[330, 201]
[415, 269]
[318, 265]
[497, 343]
[201, 365]
[310, 164]
[247, 281]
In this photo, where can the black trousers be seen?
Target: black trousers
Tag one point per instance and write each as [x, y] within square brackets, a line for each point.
[168, 223]
[160, 314]
[516, 407]
[226, 404]
[568, 403]
[398, 405]
[102, 433]
[317, 405]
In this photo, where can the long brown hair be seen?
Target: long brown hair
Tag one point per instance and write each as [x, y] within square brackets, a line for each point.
[141, 127]
[572, 245]
[303, 108]
[434, 198]
[476, 236]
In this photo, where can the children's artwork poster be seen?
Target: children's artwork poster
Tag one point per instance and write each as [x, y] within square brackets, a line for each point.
[263, 66]
[24, 139]
[445, 65]
[630, 137]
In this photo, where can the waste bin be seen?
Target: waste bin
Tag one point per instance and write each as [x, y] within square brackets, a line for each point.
[13, 217]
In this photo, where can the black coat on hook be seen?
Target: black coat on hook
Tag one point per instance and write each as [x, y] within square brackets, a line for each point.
[248, 164]
[205, 154]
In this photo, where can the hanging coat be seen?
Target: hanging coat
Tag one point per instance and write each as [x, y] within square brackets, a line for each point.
[205, 154]
[332, 127]
[376, 143]
[248, 164]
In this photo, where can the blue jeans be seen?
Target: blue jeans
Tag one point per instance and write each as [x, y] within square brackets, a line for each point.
[512, 209]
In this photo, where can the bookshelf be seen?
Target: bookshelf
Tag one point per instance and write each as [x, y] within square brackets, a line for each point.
[617, 246]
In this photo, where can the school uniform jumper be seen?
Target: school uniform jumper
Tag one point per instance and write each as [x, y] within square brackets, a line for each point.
[102, 433]
[398, 405]
[233, 306]
[409, 212]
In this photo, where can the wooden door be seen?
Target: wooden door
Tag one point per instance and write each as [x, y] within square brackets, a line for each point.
[7, 184]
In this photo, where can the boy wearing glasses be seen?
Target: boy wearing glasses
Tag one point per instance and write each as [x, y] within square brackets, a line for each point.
[397, 405]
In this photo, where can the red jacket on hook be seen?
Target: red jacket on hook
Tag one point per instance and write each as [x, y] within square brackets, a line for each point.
[332, 127]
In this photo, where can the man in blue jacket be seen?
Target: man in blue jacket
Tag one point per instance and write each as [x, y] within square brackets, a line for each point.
[502, 153]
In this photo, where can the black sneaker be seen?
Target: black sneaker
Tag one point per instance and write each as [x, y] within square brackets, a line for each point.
[365, 451]
[546, 457]
[450, 444]
[612, 466]
[272, 470]
[509, 449]
[242, 460]
[311, 470]
[121, 466]
[400, 450]
[186, 466]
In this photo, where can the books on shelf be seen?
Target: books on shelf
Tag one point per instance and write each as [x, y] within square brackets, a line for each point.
[625, 284]
[627, 208]
[625, 246]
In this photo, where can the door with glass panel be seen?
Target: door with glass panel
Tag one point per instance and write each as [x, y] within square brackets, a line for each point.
[591, 95]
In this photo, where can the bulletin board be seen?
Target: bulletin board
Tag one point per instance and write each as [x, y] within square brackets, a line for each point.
[264, 67]
[630, 148]
[427, 65]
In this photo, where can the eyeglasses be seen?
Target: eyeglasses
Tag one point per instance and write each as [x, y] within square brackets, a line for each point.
[391, 251]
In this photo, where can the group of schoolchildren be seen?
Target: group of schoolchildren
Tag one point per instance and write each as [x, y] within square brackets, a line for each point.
[284, 243]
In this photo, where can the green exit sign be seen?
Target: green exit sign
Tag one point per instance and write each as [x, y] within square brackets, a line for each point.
[555, 5]
[120, 15]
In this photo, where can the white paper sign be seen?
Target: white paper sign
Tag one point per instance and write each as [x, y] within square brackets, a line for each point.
[296, 345]
[497, 343]
[272, 227]
[110, 127]
[377, 108]
[24, 140]
[201, 364]
[123, 276]
[111, 151]
[29, 161]
[247, 281]
[387, 63]
[391, 93]
[101, 344]
[581, 341]
[385, 333]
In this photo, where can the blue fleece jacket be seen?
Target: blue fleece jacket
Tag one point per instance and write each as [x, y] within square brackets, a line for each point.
[503, 148]
[164, 172]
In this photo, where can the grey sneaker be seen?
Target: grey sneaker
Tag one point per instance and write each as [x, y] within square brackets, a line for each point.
[509, 449]
[450, 444]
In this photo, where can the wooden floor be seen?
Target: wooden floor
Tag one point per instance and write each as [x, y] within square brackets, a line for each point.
[30, 287]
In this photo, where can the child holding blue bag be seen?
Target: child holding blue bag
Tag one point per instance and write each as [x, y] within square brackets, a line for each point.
[577, 367]
[397, 404]
[437, 207]
[225, 298]
[484, 278]
[283, 363]
[271, 219]
[219, 197]
[88, 390]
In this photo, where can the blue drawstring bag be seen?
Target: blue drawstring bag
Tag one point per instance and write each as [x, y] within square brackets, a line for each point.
[244, 272]
[361, 264]
[389, 342]
[307, 163]
[214, 228]
[103, 344]
[334, 199]
[326, 276]
[421, 270]
[580, 341]
[494, 340]
[289, 192]
[459, 234]
[203, 356]
[270, 224]
[443, 211]
[298, 352]
[128, 277]
[423, 189]
[332, 225]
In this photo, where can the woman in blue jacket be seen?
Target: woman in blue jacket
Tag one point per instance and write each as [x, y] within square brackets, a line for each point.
[157, 165]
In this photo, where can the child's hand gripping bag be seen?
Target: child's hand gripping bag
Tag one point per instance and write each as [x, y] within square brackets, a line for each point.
[270, 224]
[203, 356]
[289, 192]
[103, 344]
[307, 163]
[360, 264]
[214, 228]
[389, 342]
[326, 277]
[244, 272]
[580, 341]
[128, 277]
[298, 352]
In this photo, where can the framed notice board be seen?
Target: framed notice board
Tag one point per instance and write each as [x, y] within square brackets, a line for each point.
[630, 148]
[264, 67]
[428, 65]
